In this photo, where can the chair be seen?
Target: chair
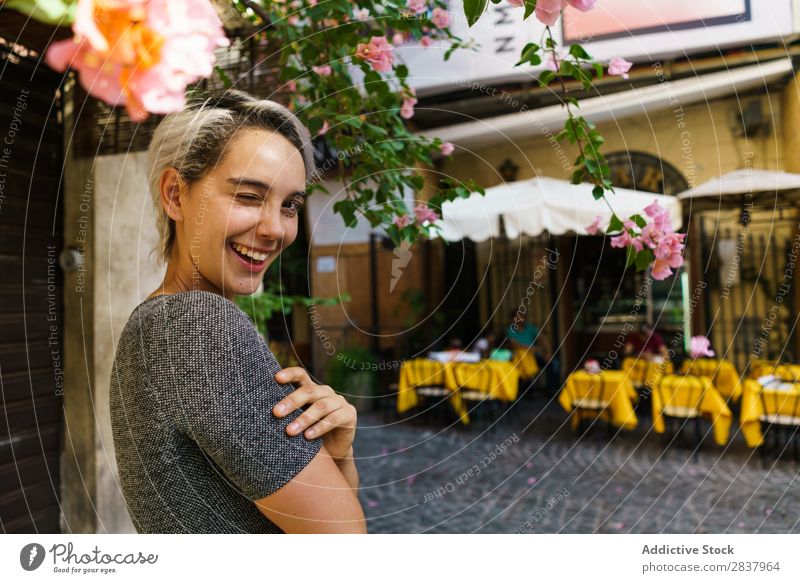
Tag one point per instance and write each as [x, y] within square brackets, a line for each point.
[781, 411]
[688, 408]
[587, 399]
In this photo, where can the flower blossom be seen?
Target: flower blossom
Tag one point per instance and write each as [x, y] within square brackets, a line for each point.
[441, 18]
[424, 213]
[594, 228]
[378, 53]
[140, 53]
[323, 70]
[700, 346]
[619, 66]
[657, 235]
[416, 6]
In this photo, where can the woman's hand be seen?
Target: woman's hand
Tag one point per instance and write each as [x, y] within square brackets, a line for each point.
[330, 416]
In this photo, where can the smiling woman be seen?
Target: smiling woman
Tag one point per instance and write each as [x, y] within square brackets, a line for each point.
[207, 432]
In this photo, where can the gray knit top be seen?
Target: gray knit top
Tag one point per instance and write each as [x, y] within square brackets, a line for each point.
[192, 390]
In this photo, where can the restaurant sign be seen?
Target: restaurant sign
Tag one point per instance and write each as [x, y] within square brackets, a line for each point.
[641, 31]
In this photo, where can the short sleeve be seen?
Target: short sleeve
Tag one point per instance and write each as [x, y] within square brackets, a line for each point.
[224, 389]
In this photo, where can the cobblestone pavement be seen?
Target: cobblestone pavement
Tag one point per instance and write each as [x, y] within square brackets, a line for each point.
[526, 471]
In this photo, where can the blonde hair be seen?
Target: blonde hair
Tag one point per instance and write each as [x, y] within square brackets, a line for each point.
[195, 140]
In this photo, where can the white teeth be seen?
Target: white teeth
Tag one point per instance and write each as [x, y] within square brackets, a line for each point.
[250, 253]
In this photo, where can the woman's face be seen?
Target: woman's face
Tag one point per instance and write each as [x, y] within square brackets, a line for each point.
[242, 214]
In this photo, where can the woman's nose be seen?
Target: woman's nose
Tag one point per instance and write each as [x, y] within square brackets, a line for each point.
[270, 225]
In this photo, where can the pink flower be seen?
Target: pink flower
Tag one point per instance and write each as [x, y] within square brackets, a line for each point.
[407, 109]
[426, 41]
[322, 70]
[291, 85]
[402, 221]
[446, 148]
[594, 228]
[398, 38]
[361, 15]
[619, 66]
[416, 6]
[140, 54]
[378, 53]
[548, 11]
[582, 5]
[324, 129]
[425, 213]
[700, 346]
[441, 18]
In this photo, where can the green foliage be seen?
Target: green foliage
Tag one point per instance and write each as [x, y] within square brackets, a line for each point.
[54, 12]
[349, 362]
[260, 307]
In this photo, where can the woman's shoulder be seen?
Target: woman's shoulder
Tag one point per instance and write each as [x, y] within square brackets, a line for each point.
[185, 314]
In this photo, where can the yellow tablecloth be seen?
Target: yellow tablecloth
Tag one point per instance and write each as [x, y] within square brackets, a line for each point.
[499, 380]
[691, 391]
[777, 403]
[525, 361]
[785, 372]
[722, 373]
[612, 386]
[645, 373]
[757, 364]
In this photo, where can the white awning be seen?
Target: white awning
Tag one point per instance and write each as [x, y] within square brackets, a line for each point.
[537, 122]
[542, 204]
[744, 181]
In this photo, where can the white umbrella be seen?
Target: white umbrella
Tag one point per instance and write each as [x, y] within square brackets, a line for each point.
[542, 204]
[745, 185]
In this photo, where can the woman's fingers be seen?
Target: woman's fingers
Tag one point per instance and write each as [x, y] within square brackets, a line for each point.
[293, 374]
[301, 396]
[320, 409]
[339, 418]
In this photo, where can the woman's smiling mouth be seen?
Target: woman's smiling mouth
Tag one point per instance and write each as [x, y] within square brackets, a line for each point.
[249, 258]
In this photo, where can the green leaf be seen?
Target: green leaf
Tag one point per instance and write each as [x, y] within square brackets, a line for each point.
[577, 176]
[598, 193]
[346, 208]
[226, 81]
[545, 77]
[530, 6]
[578, 52]
[644, 258]
[615, 224]
[401, 71]
[639, 220]
[473, 9]
[530, 51]
[630, 256]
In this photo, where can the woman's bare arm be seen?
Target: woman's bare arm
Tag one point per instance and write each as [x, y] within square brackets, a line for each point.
[317, 500]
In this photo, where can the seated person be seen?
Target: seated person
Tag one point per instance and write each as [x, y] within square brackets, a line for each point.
[645, 343]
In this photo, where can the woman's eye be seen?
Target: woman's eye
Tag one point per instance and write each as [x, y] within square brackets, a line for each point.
[249, 197]
[293, 206]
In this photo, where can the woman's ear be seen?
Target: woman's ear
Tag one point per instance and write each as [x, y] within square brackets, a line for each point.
[171, 186]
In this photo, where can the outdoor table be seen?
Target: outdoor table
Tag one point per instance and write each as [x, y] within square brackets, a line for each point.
[611, 386]
[525, 361]
[499, 380]
[722, 373]
[783, 399]
[645, 373]
[785, 372]
[688, 392]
